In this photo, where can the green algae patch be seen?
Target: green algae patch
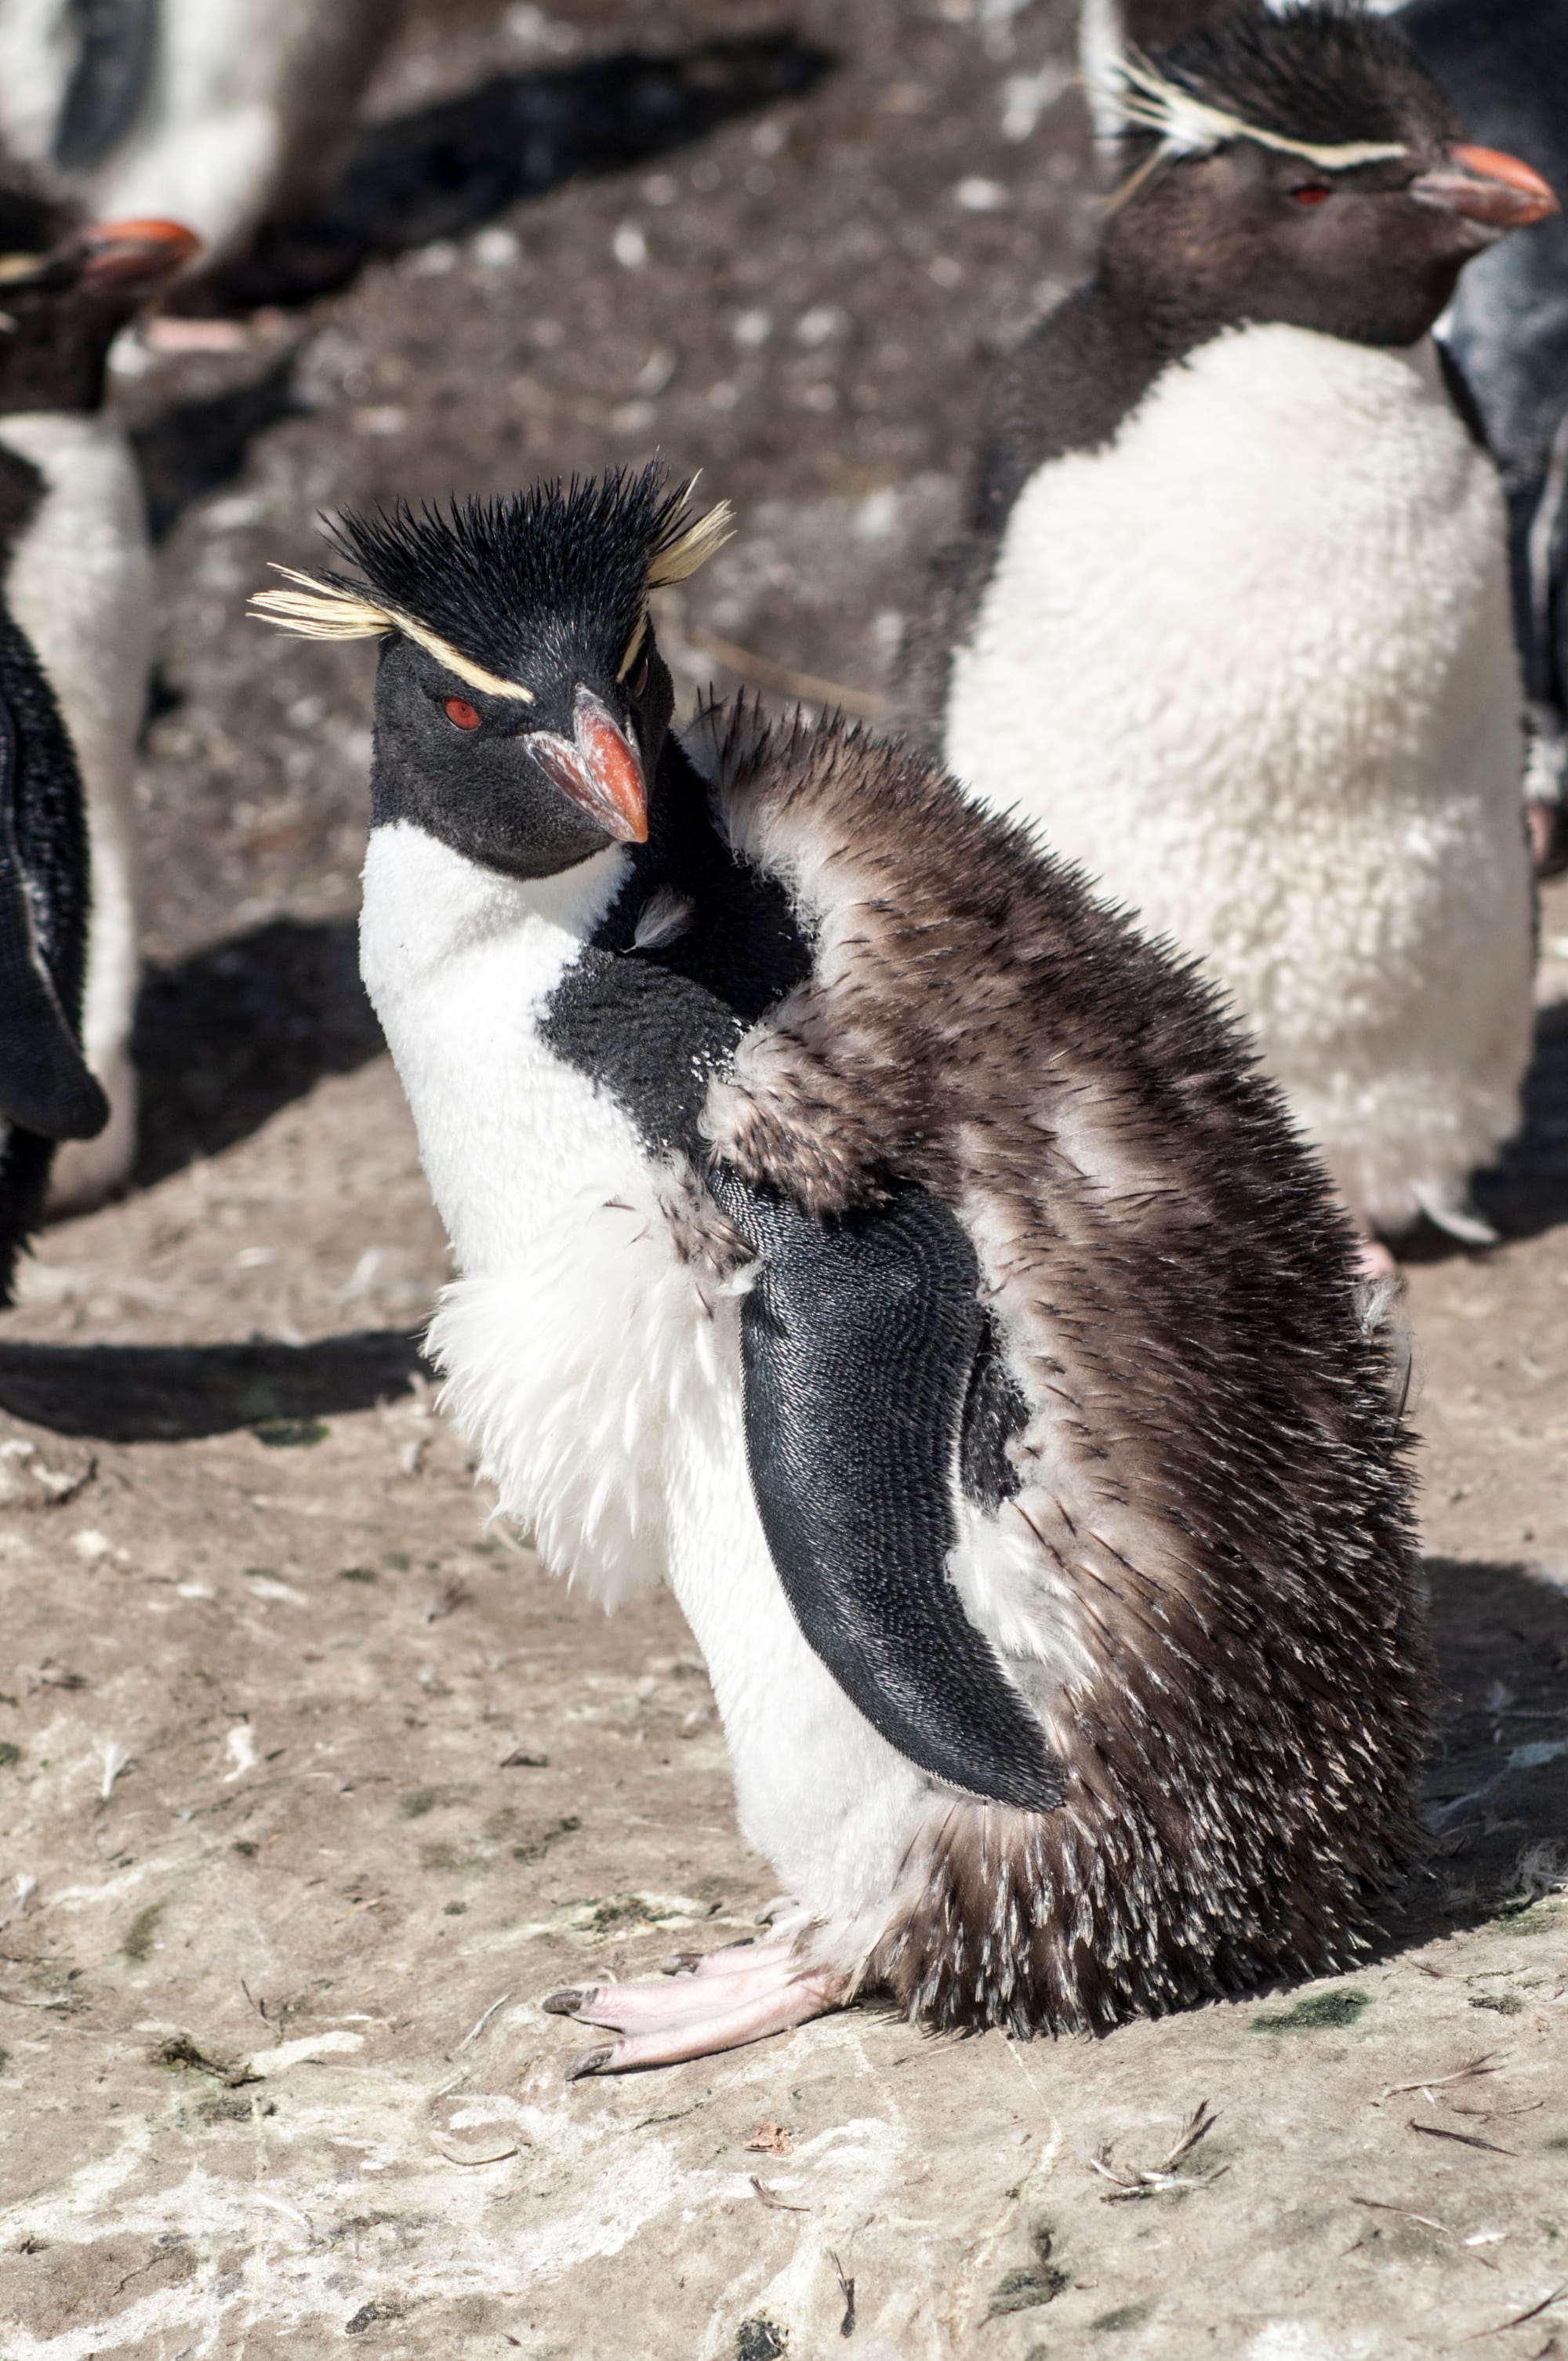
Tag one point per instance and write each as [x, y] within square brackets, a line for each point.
[1318, 2013]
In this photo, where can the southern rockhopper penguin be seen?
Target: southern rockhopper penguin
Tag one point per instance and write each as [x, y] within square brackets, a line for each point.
[866, 1231]
[222, 112]
[1230, 616]
[1504, 66]
[74, 599]
[77, 580]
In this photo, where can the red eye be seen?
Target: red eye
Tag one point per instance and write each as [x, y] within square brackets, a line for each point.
[1314, 193]
[461, 714]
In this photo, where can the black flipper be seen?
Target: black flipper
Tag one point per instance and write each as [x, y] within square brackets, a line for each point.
[45, 1086]
[114, 67]
[858, 1342]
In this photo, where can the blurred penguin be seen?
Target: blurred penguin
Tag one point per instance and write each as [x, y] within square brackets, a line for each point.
[74, 602]
[224, 113]
[76, 577]
[1230, 621]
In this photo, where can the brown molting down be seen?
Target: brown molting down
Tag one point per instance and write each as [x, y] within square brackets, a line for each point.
[702, 1234]
[1213, 1482]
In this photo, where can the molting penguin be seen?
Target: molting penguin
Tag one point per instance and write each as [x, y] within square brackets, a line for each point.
[222, 111]
[77, 580]
[1230, 619]
[867, 1232]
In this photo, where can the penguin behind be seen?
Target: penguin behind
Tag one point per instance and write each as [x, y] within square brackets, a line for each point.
[1229, 618]
[65, 291]
[865, 1230]
[222, 111]
[1506, 68]
[77, 580]
[1503, 67]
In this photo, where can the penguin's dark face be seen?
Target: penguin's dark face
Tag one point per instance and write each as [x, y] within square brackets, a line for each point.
[522, 705]
[1352, 207]
[66, 291]
[527, 789]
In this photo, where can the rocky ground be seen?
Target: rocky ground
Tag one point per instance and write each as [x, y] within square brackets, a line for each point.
[310, 1782]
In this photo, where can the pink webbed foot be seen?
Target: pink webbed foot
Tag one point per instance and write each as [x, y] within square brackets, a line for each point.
[172, 333]
[1374, 1260]
[719, 2002]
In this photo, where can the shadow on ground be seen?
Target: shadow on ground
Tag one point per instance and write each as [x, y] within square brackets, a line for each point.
[445, 169]
[1497, 1789]
[1528, 1191]
[174, 1393]
[239, 1029]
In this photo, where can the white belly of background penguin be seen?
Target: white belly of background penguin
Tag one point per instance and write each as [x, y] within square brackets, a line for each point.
[1230, 617]
[1264, 643]
[79, 583]
[866, 1233]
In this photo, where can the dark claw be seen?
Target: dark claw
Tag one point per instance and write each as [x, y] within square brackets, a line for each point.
[568, 2004]
[686, 1963]
[592, 2061]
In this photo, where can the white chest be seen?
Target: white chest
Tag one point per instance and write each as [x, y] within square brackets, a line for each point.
[460, 964]
[576, 1336]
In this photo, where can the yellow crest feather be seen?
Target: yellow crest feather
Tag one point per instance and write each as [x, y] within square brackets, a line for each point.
[1125, 85]
[679, 559]
[320, 610]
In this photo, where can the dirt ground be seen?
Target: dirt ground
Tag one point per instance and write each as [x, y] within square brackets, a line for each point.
[310, 1782]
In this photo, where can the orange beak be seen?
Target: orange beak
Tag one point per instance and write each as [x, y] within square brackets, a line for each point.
[596, 769]
[136, 253]
[1487, 186]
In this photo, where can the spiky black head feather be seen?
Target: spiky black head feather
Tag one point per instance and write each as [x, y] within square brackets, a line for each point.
[520, 584]
[1326, 73]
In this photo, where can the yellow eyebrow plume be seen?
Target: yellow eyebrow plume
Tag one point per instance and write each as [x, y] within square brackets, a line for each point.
[319, 610]
[1186, 125]
[679, 560]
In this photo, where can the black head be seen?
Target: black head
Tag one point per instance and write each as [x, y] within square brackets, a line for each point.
[66, 290]
[521, 703]
[1303, 168]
